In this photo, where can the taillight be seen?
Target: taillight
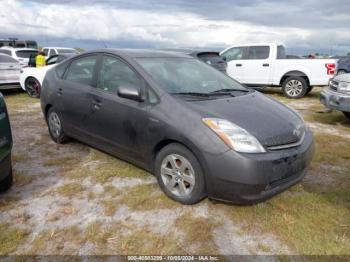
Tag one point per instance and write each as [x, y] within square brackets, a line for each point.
[330, 69]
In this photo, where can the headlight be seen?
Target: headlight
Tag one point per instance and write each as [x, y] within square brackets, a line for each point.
[344, 86]
[234, 136]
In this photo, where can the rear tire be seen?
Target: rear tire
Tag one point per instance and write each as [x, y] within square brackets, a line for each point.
[180, 175]
[55, 126]
[6, 183]
[347, 114]
[309, 89]
[294, 87]
[33, 87]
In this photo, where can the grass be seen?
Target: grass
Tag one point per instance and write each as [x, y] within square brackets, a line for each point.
[308, 222]
[70, 189]
[103, 167]
[147, 197]
[10, 238]
[198, 232]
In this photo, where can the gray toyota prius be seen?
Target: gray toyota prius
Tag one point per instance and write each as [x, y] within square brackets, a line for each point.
[199, 131]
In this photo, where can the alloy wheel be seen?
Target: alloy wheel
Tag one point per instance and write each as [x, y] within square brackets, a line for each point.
[294, 88]
[33, 87]
[55, 124]
[177, 175]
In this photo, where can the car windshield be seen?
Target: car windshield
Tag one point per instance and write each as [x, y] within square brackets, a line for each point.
[186, 75]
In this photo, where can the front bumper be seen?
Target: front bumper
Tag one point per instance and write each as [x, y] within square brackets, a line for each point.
[5, 167]
[252, 178]
[335, 100]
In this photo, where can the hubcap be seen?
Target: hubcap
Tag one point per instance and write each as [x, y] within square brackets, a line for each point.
[177, 175]
[33, 87]
[55, 124]
[294, 88]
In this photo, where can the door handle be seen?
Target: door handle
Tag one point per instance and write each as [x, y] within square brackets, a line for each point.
[59, 91]
[238, 65]
[266, 65]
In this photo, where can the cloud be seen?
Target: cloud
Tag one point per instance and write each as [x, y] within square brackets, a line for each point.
[181, 23]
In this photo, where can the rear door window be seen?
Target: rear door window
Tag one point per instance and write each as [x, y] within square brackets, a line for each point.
[81, 70]
[258, 52]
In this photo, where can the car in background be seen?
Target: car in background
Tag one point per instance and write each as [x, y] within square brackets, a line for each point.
[5, 148]
[9, 72]
[337, 95]
[343, 66]
[17, 43]
[212, 58]
[22, 55]
[259, 65]
[198, 130]
[50, 51]
[31, 78]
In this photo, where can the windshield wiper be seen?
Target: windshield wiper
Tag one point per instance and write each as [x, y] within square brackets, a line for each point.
[228, 90]
[192, 94]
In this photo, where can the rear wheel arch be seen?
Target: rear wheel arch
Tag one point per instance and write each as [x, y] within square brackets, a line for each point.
[47, 108]
[295, 73]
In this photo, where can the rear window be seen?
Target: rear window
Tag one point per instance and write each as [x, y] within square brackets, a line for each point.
[212, 57]
[26, 53]
[258, 52]
[281, 52]
[7, 59]
[6, 52]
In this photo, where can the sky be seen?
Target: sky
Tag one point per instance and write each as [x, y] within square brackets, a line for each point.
[303, 26]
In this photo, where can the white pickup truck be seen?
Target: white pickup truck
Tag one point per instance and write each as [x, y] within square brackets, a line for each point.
[267, 65]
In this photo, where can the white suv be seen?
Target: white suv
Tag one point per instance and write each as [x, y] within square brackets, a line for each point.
[22, 55]
[50, 51]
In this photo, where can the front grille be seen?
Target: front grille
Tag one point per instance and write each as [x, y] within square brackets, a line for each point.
[287, 139]
[333, 85]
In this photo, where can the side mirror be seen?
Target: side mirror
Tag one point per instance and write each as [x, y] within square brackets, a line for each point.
[130, 92]
[224, 58]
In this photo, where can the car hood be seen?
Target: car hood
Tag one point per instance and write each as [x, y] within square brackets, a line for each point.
[342, 78]
[271, 122]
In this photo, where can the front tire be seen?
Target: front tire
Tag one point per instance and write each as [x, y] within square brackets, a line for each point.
[6, 183]
[180, 175]
[33, 87]
[347, 114]
[55, 126]
[295, 87]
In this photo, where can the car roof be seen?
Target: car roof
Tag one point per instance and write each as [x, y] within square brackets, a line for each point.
[142, 53]
[192, 52]
[58, 47]
[18, 49]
